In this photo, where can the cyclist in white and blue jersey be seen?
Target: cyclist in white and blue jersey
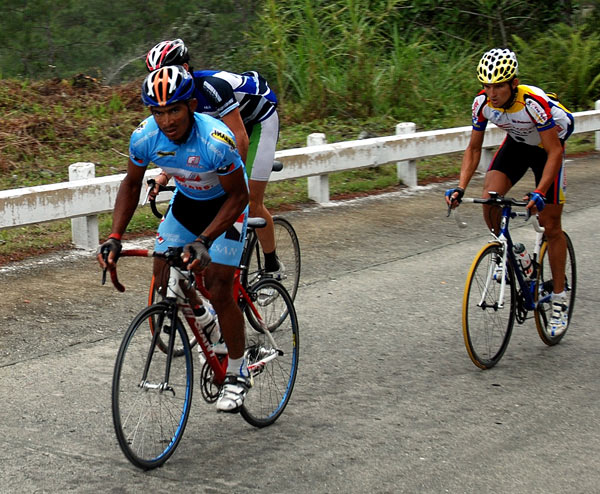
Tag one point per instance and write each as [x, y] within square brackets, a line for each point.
[248, 106]
[207, 215]
[537, 127]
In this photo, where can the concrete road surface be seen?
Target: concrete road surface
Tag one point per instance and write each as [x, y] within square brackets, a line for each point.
[386, 398]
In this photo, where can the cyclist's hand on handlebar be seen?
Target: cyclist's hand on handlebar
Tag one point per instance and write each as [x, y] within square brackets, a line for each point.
[454, 196]
[108, 252]
[154, 185]
[536, 200]
[196, 256]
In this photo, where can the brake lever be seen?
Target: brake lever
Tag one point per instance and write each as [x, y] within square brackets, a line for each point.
[450, 208]
[151, 184]
[104, 251]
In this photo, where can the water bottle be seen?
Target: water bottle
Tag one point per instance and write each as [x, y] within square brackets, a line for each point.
[524, 259]
[206, 321]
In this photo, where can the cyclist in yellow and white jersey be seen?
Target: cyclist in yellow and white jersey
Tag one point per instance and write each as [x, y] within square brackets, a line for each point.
[537, 127]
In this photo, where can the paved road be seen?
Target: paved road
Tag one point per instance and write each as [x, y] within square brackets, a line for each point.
[386, 398]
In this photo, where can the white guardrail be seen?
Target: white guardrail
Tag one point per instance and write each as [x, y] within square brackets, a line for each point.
[84, 197]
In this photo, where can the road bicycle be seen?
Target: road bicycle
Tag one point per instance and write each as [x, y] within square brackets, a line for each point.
[286, 241]
[497, 292]
[153, 378]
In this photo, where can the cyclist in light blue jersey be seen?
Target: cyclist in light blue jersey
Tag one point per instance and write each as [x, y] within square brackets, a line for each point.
[207, 215]
[247, 105]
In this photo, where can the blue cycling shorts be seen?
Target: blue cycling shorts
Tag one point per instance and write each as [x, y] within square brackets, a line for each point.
[187, 218]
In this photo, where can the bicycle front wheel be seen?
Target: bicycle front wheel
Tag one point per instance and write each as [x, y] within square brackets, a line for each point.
[288, 252]
[273, 368]
[487, 320]
[545, 286]
[151, 394]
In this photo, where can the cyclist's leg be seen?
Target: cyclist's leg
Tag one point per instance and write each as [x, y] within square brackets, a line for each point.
[238, 380]
[226, 253]
[261, 153]
[495, 181]
[219, 282]
[266, 235]
[506, 169]
[550, 219]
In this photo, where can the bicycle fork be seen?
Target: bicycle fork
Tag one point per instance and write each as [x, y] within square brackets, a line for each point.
[169, 329]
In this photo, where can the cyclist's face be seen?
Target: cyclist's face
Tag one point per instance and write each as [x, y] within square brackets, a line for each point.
[173, 120]
[499, 94]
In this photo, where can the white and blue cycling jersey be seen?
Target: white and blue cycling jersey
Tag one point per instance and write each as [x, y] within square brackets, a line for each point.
[219, 92]
[195, 165]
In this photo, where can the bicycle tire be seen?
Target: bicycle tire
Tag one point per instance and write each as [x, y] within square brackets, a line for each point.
[487, 328]
[545, 287]
[288, 252]
[274, 374]
[153, 298]
[150, 422]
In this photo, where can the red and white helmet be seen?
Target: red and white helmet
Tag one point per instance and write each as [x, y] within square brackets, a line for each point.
[167, 53]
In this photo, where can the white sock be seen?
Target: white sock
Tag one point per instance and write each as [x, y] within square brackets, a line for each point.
[238, 367]
[562, 294]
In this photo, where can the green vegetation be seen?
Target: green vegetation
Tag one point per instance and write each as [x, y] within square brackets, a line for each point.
[342, 67]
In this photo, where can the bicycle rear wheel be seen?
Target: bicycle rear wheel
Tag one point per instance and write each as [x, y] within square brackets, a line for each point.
[288, 252]
[543, 311]
[487, 326]
[149, 413]
[273, 369]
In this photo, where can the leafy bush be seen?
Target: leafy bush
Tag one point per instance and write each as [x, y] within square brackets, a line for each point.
[564, 61]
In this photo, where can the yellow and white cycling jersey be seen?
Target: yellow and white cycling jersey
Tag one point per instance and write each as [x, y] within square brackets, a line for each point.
[531, 112]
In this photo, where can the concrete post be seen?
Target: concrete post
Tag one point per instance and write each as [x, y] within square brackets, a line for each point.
[84, 230]
[487, 155]
[597, 107]
[407, 170]
[318, 186]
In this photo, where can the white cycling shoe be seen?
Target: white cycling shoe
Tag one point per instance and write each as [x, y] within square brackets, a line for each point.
[233, 392]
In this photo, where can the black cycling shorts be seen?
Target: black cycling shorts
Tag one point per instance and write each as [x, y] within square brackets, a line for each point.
[515, 158]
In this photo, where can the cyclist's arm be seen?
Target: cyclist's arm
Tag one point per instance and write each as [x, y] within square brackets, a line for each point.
[233, 120]
[127, 197]
[235, 187]
[554, 149]
[471, 158]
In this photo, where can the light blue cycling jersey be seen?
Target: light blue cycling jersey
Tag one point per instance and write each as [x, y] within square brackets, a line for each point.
[195, 165]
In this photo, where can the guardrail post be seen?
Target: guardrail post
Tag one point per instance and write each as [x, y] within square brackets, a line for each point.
[487, 154]
[407, 170]
[597, 107]
[318, 186]
[84, 231]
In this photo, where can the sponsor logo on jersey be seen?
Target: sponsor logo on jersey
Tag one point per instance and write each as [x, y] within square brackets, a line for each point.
[223, 137]
[479, 100]
[141, 126]
[193, 161]
[224, 170]
[536, 111]
[136, 159]
[162, 154]
[213, 92]
[235, 231]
